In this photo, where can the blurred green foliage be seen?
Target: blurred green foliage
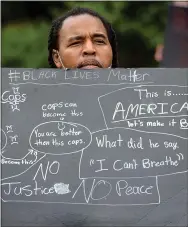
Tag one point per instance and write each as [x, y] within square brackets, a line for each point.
[24, 45]
[139, 26]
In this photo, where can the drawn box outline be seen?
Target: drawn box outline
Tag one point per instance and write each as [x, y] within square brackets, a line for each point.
[140, 86]
[93, 204]
[158, 175]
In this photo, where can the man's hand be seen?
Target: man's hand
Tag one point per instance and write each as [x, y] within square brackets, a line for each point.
[181, 4]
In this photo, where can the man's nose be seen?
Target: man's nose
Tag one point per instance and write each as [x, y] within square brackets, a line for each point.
[89, 48]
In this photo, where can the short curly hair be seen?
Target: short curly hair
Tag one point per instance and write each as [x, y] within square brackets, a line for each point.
[57, 24]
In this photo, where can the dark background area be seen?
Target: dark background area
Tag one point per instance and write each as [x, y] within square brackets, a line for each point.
[139, 26]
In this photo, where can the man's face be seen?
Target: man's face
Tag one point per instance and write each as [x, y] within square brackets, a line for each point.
[83, 43]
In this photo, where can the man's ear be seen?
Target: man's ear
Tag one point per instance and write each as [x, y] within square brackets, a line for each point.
[56, 59]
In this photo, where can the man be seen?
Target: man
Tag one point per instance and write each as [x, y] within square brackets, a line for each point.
[174, 53]
[159, 52]
[82, 39]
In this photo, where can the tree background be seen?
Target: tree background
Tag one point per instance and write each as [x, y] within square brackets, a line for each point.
[139, 27]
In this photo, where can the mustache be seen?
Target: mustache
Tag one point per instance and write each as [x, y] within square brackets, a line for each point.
[89, 62]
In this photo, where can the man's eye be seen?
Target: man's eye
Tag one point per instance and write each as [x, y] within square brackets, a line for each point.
[75, 43]
[100, 41]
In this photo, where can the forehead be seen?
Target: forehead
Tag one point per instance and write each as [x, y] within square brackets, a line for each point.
[81, 24]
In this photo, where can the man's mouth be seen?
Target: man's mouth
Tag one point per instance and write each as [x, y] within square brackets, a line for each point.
[89, 64]
[89, 67]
